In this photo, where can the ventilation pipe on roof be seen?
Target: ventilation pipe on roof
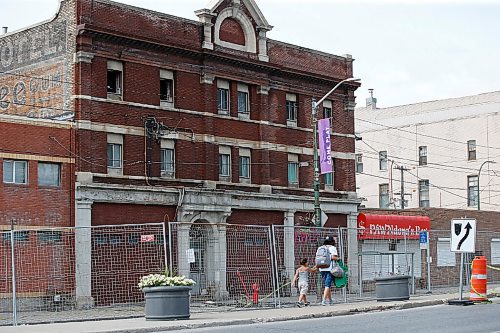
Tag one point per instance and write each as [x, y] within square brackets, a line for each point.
[371, 102]
[4, 30]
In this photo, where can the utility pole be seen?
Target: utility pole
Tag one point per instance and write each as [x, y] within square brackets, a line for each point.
[316, 171]
[402, 193]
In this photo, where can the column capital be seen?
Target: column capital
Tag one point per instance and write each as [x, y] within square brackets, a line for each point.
[84, 203]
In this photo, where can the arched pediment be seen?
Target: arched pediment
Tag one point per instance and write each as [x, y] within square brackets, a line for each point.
[248, 36]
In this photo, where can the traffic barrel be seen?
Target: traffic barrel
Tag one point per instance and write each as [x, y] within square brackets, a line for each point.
[478, 283]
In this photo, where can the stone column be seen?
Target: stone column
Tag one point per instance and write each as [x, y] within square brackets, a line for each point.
[352, 251]
[289, 244]
[205, 17]
[182, 248]
[83, 254]
[221, 292]
[263, 44]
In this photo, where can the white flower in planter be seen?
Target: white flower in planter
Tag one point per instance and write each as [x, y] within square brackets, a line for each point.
[163, 279]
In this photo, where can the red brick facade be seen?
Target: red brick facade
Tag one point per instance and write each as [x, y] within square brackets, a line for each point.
[103, 68]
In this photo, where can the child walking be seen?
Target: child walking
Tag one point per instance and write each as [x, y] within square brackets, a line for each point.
[302, 274]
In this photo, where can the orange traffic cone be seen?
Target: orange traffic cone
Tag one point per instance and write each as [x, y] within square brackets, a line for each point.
[478, 288]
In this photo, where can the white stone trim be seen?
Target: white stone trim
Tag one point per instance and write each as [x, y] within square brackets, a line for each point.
[115, 65]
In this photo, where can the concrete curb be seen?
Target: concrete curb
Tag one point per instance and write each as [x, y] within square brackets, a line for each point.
[340, 312]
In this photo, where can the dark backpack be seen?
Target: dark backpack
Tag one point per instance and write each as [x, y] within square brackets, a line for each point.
[323, 257]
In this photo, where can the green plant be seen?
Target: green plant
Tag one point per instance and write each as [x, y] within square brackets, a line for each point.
[164, 279]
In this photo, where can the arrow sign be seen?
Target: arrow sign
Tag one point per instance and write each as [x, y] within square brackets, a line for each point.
[467, 227]
[463, 235]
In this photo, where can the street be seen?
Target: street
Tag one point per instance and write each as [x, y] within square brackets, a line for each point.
[440, 318]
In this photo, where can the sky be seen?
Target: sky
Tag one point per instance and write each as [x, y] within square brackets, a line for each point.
[408, 51]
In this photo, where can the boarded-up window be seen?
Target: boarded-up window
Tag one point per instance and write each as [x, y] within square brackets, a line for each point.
[445, 257]
[495, 251]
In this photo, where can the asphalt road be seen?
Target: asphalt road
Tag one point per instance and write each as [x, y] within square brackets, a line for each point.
[441, 318]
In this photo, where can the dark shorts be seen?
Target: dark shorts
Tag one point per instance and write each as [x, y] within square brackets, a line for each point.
[327, 278]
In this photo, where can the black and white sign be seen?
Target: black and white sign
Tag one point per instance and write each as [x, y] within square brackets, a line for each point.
[463, 235]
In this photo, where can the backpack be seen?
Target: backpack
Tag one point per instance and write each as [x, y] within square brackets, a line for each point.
[323, 257]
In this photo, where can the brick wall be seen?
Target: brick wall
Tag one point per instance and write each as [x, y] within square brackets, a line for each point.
[30, 204]
[142, 61]
[231, 31]
[114, 214]
[250, 217]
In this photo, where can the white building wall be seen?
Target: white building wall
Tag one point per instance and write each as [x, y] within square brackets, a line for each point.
[444, 127]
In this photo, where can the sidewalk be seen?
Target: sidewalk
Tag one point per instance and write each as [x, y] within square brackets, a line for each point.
[211, 319]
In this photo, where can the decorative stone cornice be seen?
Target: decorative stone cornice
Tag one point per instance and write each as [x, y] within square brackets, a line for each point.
[263, 90]
[207, 78]
[85, 57]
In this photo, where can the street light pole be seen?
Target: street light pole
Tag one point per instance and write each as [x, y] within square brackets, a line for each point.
[316, 185]
[478, 189]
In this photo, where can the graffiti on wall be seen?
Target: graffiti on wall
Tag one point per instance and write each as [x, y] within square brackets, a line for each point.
[32, 46]
[51, 218]
[33, 72]
[38, 93]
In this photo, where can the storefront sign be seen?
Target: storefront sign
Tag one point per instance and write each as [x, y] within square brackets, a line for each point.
[373, 226]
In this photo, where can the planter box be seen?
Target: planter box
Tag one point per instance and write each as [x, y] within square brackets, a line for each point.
[166, 303]
[392, 288]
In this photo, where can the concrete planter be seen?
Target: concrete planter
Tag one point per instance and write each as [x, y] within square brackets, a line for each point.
[167, 303]
[392, 288]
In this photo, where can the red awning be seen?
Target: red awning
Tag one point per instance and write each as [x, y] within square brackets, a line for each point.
[374, 226]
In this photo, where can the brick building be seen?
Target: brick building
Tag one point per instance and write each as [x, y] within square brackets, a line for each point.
[444, 264]
[167, 119]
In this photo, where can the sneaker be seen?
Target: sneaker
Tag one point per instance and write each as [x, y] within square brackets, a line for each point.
[307, 303]
[300, 304]
[324, 303]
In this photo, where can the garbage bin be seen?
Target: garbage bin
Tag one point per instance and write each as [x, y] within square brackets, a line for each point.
[392, 288]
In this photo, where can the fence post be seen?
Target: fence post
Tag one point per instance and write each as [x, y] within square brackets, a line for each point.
[171, 267]
[14, 296]
[272, 236]
[342, 256]
[165, 245]
[428, 250]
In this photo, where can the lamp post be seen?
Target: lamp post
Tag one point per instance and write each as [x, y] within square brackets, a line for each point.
[478, 190]
[316, 185]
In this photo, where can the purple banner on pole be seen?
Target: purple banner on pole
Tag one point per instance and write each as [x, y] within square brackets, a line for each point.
[325, 146]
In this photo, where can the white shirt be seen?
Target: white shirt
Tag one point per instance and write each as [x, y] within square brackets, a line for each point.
[333, 252]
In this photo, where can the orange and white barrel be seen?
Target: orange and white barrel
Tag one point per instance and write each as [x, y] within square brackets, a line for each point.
[478, 283]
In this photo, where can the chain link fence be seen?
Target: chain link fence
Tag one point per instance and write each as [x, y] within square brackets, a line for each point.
[394, 254]
[231, 264]
[50, 270]
[45, 273]
[291, 244]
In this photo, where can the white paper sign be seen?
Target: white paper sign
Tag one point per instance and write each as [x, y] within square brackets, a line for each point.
[190, 255]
